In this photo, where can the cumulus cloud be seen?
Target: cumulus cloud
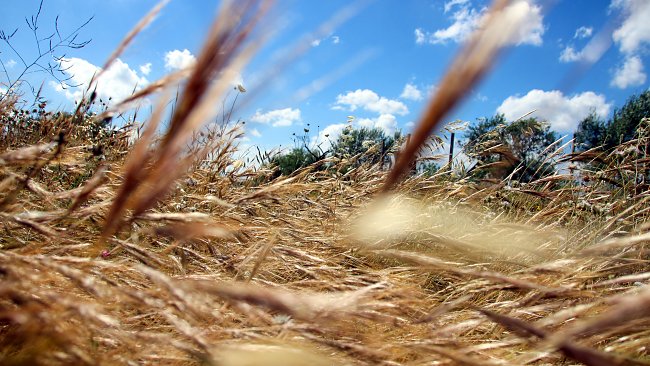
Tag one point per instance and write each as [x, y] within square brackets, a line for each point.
[176, 59]
[385, 122]
[583, 32]
[336, 39]
[635, 28]
[145, 69]
[277, 117]
[411, 92]
[328, 135]
[369, 100]
[118, 81]
[465, 19]
[562, 112]
[630, 73]
[631, 37]
[10, 64]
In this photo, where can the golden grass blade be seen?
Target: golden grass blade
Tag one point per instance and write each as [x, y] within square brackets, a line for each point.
[98, 179]
[588, 356]
[467, 69]
[27, 155]
[221, 58]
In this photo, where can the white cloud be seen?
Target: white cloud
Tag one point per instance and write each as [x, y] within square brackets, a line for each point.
[10, 64]
[451, 3]
[631, 37]
[328, 135]
[583, 32]
[635, 28]
[529, 22]
[629, 74]
[466, 20]
[370, 101]
[526, 17]
[255, 132]
[176, 59]
[145, 69]
[420, 37]
[318, 41]
[569, 54]
[411, 92]
[562, 112]
[385, 122]
[591, 53]
[118, 81]
[278, 117]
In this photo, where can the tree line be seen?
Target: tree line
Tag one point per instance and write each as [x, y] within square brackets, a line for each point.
[521, 150]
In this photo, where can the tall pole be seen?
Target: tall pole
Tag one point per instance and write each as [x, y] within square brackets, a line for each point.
[573, 152]
[451, 149]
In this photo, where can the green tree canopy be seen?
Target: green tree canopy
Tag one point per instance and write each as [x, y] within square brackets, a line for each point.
[500, 148]
[591, 132]
[622, 127]
[293, 160]
[370, 145]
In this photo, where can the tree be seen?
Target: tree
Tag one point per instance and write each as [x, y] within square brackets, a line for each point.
[295, 159]
[625, 121]
[369, 145]
[500, 148]
[591, 132]
[622, 127]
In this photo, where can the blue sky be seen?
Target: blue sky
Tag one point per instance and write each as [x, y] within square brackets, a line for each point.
[380, 66]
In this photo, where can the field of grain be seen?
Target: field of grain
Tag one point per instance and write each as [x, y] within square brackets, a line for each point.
[155, 245]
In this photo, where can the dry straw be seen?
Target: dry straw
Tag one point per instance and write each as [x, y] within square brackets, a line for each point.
[151, 253]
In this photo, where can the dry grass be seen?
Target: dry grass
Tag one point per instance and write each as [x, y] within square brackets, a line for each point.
[109, 259]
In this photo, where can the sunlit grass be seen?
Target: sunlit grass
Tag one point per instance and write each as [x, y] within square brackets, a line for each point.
[118, 251]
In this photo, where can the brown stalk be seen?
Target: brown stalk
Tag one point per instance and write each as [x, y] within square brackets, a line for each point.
[586, 355]
[149, 176]
[470, 65]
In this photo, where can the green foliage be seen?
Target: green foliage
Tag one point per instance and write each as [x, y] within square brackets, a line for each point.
[625, 121]
[295, 159]
[517, 148]
[355, 146]
[622, 127]
[367, 145]
[591, 132]
[429, 169]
